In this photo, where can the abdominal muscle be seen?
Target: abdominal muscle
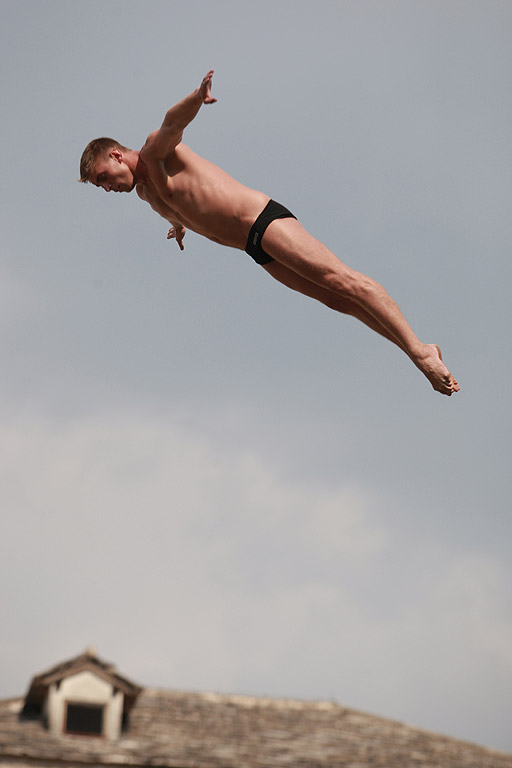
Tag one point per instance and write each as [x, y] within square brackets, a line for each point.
[202, 197]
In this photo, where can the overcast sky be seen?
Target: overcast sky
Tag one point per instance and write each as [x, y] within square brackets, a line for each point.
[219, 484]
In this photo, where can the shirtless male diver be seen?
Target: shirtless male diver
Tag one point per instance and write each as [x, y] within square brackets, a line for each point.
[189, 191]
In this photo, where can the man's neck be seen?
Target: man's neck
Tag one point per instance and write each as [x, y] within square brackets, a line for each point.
[136, 166]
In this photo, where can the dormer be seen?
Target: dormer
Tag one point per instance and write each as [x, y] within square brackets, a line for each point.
[84, 696]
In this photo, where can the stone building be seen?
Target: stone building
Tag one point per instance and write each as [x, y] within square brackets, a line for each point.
[82, 712]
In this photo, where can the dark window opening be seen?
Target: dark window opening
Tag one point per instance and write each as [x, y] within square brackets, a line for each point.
[84, 719]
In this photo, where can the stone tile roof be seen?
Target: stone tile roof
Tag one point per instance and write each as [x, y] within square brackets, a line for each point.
[198, 730]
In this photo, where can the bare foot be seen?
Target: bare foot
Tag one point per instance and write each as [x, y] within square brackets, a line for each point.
[431, 364]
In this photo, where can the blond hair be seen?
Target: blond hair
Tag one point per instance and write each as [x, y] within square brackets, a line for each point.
[93, 150]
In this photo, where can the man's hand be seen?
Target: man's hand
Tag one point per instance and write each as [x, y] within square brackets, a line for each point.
[205, 89]
[177, 232]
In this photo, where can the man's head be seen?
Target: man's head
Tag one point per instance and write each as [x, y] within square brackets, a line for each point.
[106, 163]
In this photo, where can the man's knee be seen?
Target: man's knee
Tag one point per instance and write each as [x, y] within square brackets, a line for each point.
[350, 285]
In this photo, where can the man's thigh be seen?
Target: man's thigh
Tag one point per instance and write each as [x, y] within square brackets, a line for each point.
[300, 284]
[290, 244]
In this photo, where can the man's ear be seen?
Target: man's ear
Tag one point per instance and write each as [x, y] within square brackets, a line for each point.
[116, 154]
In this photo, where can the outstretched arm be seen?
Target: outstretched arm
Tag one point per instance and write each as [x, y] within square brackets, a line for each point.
[179, 116]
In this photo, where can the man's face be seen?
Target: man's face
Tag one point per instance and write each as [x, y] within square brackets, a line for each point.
[112, 173]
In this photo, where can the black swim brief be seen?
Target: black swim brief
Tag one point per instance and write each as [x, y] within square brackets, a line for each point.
[271, 211]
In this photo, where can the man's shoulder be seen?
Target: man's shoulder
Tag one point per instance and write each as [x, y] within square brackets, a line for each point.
[149, 145]
[149, 150]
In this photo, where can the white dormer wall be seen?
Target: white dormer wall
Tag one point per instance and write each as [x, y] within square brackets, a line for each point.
[85, 688]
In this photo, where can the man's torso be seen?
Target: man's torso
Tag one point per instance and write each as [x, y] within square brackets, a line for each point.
[201, 196]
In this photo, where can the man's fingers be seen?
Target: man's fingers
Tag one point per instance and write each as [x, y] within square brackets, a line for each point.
[173, 234]
[206, 86]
